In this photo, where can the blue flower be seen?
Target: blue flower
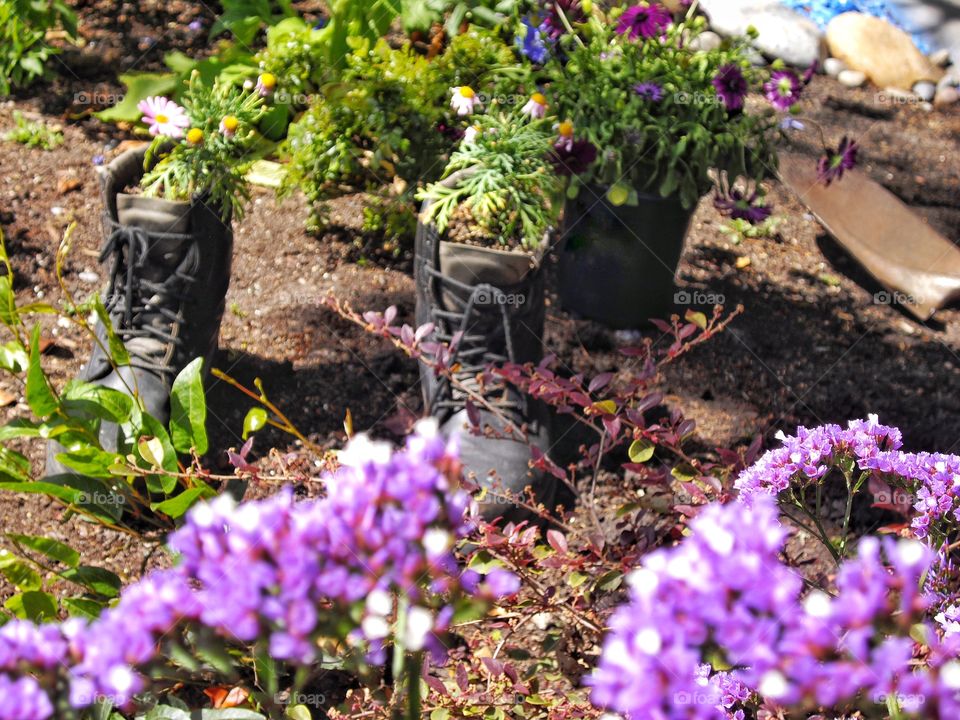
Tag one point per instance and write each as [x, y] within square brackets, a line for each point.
[534, 44]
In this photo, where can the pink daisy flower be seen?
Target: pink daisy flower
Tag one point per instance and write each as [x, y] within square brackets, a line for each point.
[164, 116]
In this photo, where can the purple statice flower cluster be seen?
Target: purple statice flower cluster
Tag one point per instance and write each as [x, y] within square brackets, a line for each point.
[724, 595]
[935, 480]
[738, 205]
[806, 457]
[376, 554]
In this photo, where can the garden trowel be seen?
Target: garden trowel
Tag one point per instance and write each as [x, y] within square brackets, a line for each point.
[894, 244]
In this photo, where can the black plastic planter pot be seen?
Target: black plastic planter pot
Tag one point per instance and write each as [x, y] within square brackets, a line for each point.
[617, 264]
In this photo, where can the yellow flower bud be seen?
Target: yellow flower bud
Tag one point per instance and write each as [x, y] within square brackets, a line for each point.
[539, 98]
[195, 136]
[565, 128]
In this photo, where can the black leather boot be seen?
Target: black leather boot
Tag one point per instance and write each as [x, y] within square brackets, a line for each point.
[169, 273]
[496, 300]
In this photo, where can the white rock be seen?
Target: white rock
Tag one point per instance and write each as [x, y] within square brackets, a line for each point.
[946, 96]
[706, 41]
[852, 78]
[925, 90]
[834, 66]
[783, 33]
[88, 277]
[940, 57]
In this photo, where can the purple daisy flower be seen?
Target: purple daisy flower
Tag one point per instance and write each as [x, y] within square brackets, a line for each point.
[646, 20]
[573, 157]
[649, 91]
[783, 89]
[738, 205]
[832, 166]
[558, 10]
[731, 86]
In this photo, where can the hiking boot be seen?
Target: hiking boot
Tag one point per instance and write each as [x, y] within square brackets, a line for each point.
[169, 266]
[496, 300]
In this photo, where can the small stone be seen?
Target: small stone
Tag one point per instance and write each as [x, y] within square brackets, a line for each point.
[941, 57]
[88, 277]
[68, 184]
[56, 210]
[852, 78]
[946, 96]
[706, 41]
[925, 90]
[743, 262]
[834, 66]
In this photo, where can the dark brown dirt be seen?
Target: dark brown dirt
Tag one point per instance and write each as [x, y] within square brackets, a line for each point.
[812, 345]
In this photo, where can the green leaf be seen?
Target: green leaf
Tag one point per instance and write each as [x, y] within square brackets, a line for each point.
[256, 418]
[229, 714]
[13, 356]
[82, 607]
[90, 461]
[302, 712]
[19, 572]
[138, 87]
[177, 506]
[88, 400]
[67, 494]
[33, 605]
[188, 410]
[48, 547]
[165, 712]
[641, 450]
[576, 579]
[440, 714]
[118, 351]
[151, 450]
[153, 428]
[40, 396]
[618, 194]
[97, 579]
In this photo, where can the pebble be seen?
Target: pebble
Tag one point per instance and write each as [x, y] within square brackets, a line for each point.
[56, 210]
[88, 277]
[940, 57]
[884, 52]
[706, 41]
[852, 78]
[925, 90]
[834, 66]
[946, 96]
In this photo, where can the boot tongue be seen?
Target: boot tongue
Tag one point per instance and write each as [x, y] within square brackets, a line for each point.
[156, 215]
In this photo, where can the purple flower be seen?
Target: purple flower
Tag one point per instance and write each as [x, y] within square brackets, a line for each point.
[649, 91]
[573, 157]
[783, 89]
[731, 86]
[739, 206]
[23, 699]
[559, 11]
[646, 20]
[98, 159]
[835, 162]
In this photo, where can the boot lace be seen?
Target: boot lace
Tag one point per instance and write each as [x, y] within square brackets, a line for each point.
[145, 309]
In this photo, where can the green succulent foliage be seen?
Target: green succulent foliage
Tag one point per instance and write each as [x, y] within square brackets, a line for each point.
[217, 165]
[245, 18]
[23, 29]
[296, 55]
[481, 59]
[422, 14]
[667, 146]
[378, 122]
[503, 179]
[33, 133]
